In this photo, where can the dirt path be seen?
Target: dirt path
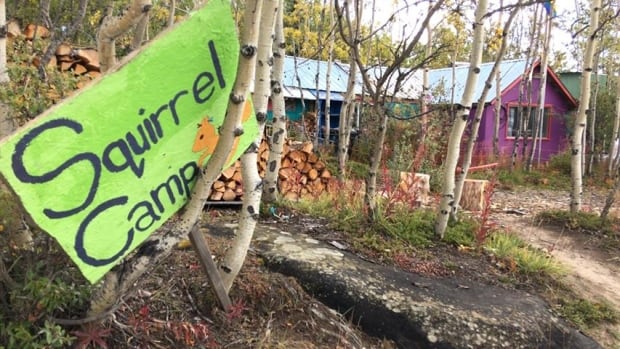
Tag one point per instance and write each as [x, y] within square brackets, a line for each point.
[592, 271]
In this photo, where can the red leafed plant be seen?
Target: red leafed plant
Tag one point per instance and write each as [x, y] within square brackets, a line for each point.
[236, 310]
[92, 334]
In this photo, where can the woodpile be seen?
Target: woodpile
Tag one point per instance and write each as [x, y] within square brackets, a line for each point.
[302, 174]
[82, 62]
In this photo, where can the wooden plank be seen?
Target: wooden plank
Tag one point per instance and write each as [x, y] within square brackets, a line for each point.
[206, 260]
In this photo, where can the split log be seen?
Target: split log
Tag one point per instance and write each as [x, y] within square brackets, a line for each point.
[36, 31]
[473, 197]
[12, 29]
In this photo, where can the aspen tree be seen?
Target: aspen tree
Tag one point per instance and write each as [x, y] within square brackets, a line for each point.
[114, 26]
[582, 113]
[447, 204]
[542, 90]
[252, 182]
[613, 147]
[460, 180]
[118, 281]
[613, 159]
[278, 135]
[331, 38]
[377, 87]
[4, 72]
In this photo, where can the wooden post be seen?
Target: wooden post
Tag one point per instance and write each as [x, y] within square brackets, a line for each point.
[206, 259]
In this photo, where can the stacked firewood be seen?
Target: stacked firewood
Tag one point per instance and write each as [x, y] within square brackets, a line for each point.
[83, 62]
[302, 174]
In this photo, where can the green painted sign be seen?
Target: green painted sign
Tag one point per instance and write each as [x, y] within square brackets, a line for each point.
[107, 167]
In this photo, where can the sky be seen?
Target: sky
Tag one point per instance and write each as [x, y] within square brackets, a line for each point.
[411, 19]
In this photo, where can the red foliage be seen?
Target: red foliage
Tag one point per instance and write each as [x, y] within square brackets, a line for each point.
[92, 334]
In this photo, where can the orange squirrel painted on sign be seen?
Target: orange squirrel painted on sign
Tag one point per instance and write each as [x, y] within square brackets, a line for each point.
[207, 136]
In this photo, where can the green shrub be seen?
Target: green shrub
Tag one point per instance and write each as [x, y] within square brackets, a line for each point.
[584, 222]
[561, 163]
[587, 314]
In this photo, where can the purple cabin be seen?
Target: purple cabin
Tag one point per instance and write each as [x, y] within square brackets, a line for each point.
[559, 106]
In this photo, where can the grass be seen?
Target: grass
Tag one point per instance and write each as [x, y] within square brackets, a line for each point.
[587, 314]
[521, 257]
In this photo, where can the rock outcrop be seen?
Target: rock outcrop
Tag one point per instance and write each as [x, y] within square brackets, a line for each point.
[416, 311]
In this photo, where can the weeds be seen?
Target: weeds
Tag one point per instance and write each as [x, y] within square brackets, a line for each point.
[517, 256]
[587, 314]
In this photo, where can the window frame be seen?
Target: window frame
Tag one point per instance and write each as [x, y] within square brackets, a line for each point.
[548, 115]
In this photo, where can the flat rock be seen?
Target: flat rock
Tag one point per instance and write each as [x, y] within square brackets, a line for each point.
[412, 310]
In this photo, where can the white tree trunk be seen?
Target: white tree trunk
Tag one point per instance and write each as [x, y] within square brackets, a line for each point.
[159, 246]
[613, 146]
[447, 203]
[140, 32]
[330, 59]
[4, 73]
[592, 114]
[581, 117]
[346, 120]
[278, 135]
[458, 190]
[252, 182]
[542, 89]
[112, 27]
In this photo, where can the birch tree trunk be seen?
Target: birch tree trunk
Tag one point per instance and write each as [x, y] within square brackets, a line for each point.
[613, 160]
[542, 89]
[171, 12]
[114, 26]
[458, 190]
[581, 117]
[4, 73]
[498, 100]
[278, 136]
[613, 149]
[523, 85]
[447, 203]
[159, 246]
[330, 59]
[592, 114]
[7, 124]
[252, 182]
[140, 32]
[346, 120]
[347, 109]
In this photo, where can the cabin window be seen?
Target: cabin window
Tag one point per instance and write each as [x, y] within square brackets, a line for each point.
[528, 127]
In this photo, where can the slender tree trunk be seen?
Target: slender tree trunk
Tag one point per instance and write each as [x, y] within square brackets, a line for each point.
[330, 60]
[542, 89]
[581, 117]
[523, 87]
[171, 12]
[447, 203]
[346, 120]
[119, 280]
[252, 182]
[425, 98]
[497, 113]
[592, 114]
[278, 136]
[460, 180]
[613, 146]
[140, 32]
[375, 158]
[112, 27]
[498, 99]
[4, 72]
